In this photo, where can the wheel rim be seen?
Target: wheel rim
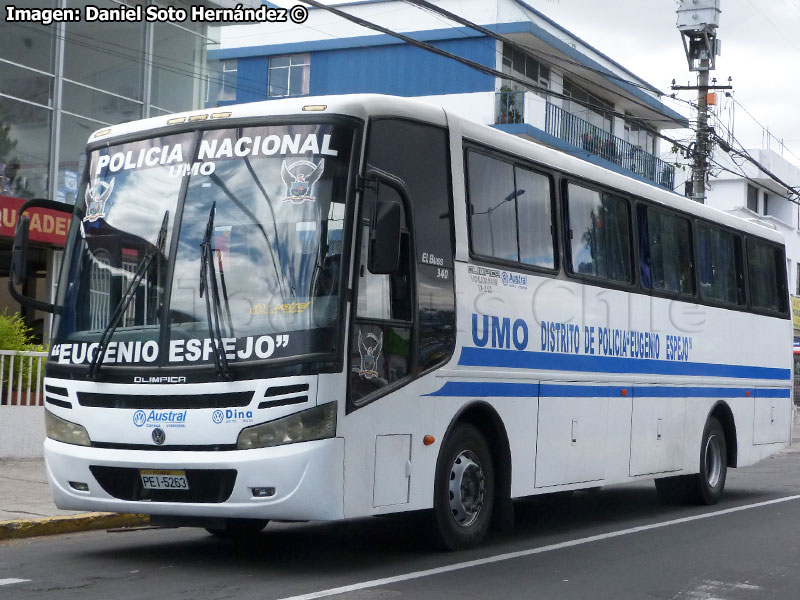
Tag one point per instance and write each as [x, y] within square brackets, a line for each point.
[467, 488]
[713, 461]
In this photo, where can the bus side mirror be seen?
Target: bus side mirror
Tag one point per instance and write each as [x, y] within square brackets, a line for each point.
[19, 252]
[384, 243]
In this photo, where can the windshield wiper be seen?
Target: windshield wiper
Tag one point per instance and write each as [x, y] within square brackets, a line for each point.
[127, 296]
[212, 295]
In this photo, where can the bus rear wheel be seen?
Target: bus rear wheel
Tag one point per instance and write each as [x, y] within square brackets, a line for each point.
[238, 528]
[463, 489]
[705, 487]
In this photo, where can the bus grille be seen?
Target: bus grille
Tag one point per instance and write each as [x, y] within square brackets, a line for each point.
[205, 485]
[164, 401]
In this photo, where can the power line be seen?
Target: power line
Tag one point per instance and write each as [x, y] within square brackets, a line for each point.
[470, 63]
[757, 122]
[525, 47]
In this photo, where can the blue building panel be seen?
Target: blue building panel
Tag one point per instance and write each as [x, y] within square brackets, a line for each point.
[251, 79]
[402, 70]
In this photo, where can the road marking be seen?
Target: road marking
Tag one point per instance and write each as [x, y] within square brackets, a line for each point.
[522, 553]
[10, 581]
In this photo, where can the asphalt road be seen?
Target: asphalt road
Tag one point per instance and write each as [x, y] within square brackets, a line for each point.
[614, 543]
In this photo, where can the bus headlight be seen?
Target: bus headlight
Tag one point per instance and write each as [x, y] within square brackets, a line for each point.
[60, 430]
[315, 423]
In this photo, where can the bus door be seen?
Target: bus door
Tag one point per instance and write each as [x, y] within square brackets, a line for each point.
[404, 322]
[382, 334]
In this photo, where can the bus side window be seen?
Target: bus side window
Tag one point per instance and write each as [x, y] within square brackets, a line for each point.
[665, 251]
[720, 261]
[767, 276]
[599, 235]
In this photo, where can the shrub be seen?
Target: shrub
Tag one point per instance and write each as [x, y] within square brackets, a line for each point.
[15, 335]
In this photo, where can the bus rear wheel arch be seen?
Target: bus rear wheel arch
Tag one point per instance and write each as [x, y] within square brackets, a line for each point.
[706, 486]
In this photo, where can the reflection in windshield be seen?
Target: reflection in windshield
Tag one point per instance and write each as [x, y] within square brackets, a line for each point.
[123, 210]
[275, 246]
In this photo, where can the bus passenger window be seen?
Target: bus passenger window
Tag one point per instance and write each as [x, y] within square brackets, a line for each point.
[534, 211]
[600, 241]
[493, 214]
[665, 251]
[719, 256]
[767, 276]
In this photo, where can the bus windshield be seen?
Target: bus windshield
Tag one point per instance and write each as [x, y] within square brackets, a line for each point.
[223, 238]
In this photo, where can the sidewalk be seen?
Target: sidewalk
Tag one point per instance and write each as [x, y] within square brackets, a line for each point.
[27, 508]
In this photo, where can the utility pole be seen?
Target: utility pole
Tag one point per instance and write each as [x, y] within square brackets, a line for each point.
[698, 21]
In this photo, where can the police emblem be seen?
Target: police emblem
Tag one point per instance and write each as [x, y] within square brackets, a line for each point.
[299, 178]
[96, 197]
[369, 354]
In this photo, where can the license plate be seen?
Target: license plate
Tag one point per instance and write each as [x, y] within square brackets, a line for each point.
[153, 479]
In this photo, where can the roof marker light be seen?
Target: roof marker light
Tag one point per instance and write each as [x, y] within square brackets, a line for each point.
[176, 121]
[198, 117]
[315, 107]
[221, 115]
[102, 132]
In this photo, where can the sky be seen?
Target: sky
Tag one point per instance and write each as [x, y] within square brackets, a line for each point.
[760, 51]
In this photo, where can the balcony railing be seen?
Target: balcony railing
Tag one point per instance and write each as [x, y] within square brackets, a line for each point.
[580, 133]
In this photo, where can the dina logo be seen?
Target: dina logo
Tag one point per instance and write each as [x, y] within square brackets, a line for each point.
[370, 351]
[96, 197]
[300, 178]
[139, 418]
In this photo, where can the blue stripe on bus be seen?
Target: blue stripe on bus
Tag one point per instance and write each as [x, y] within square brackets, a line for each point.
[492, 389]
[526, 359]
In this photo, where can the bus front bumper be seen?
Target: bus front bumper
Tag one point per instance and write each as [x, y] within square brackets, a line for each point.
[305, 480]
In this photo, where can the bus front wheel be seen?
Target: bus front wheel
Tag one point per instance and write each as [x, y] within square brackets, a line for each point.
[463, 489]
[705, 487]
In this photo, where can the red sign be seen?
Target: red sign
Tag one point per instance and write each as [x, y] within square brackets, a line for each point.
[47, 226]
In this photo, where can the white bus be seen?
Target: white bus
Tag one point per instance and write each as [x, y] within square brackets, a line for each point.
[328, 308]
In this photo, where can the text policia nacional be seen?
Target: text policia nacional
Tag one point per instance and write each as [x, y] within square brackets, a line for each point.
[153, 13]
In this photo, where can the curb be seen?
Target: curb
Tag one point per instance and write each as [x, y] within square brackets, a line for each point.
[24, 528]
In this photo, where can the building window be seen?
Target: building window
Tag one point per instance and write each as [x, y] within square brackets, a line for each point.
[639, 135]
[221, 81]
[516, 62]
[752, 198]
[289, 75]
[766, 204]
[798, 279]
[600, 113]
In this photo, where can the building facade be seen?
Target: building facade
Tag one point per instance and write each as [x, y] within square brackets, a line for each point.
[587, 104]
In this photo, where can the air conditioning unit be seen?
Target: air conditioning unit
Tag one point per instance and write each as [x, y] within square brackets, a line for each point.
[698, 15]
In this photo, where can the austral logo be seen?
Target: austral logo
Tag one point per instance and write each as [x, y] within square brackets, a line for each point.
[515, 280]
[160, 418]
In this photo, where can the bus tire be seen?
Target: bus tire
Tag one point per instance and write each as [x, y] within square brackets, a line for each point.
[705, 487]
[463, 489]
[238, 528]
[713, 464]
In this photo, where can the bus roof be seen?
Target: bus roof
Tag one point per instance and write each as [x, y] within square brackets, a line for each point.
[363, 106]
